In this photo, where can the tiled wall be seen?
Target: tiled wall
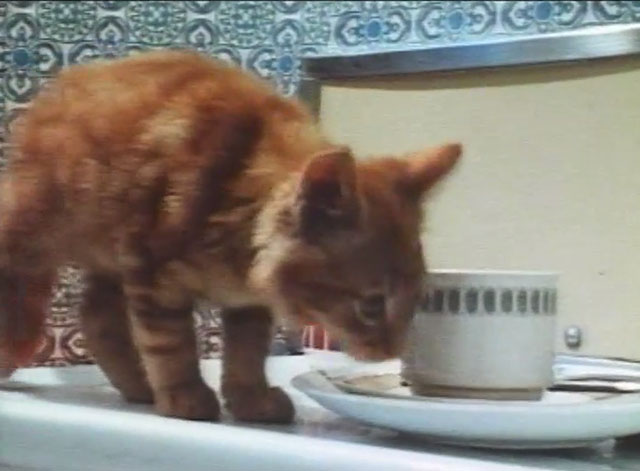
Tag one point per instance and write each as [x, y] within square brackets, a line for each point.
[270, 38]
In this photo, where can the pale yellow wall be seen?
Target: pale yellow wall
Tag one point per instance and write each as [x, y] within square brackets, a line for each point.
[550, 178]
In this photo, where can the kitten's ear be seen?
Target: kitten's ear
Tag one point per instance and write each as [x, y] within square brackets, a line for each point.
[328, 189]
[426, 168]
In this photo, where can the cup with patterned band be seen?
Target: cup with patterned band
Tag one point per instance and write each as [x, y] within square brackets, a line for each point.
[483, 334]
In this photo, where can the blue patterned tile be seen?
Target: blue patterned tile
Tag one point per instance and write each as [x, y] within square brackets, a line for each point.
[455, 20]
[288, 7]
[20, 87]
[543, 16]
[111, 34]
[341, 8]
[4, 9]
[263, 61]
[201, 34]
[617, 11]
[21, 29]
[156, 23]
[408, 4]
[112, 5]
[110, 39]
[66, 21]
[281, 62]
[202, 7]
[24, 58]
[20, 4]
[288, 33]
[82, 53]
[373, 24]
[246, 24]
[316, 18]
[46, 58]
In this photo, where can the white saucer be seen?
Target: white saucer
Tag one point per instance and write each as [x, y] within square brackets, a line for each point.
[372, 394]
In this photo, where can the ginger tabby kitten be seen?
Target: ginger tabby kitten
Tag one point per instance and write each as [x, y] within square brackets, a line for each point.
[169, 178]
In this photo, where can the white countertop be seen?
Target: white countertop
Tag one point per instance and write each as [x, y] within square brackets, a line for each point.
[66, 419]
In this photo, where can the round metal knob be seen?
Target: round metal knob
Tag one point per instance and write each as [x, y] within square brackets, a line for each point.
[573, 337]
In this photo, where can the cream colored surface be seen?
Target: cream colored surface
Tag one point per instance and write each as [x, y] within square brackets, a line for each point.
[550, 179]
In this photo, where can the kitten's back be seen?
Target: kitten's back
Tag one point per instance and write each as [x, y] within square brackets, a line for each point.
[101, 129]
[111, 102]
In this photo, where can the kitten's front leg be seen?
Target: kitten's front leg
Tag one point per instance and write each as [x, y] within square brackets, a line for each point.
[166, 342]
[247, 336]
[163, 335]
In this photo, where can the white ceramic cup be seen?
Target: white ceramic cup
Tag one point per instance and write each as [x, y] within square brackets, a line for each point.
[483, 334]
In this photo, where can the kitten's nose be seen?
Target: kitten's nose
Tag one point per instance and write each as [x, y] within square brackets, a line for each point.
[374, 303]
[372, 309]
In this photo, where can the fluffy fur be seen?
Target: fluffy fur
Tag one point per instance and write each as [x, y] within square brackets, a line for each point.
[169, 178]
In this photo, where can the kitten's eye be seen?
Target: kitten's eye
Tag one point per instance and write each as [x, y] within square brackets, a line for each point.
[371, 310]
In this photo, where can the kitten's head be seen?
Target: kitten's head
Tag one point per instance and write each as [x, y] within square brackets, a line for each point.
[339, 245]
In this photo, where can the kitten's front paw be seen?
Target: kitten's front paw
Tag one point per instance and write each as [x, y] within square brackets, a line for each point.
[251, 404]
[135, 390]
[140, 394]
[193, 401]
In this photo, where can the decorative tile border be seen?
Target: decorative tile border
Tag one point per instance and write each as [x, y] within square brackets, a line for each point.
[270, 38]
[523, 301]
